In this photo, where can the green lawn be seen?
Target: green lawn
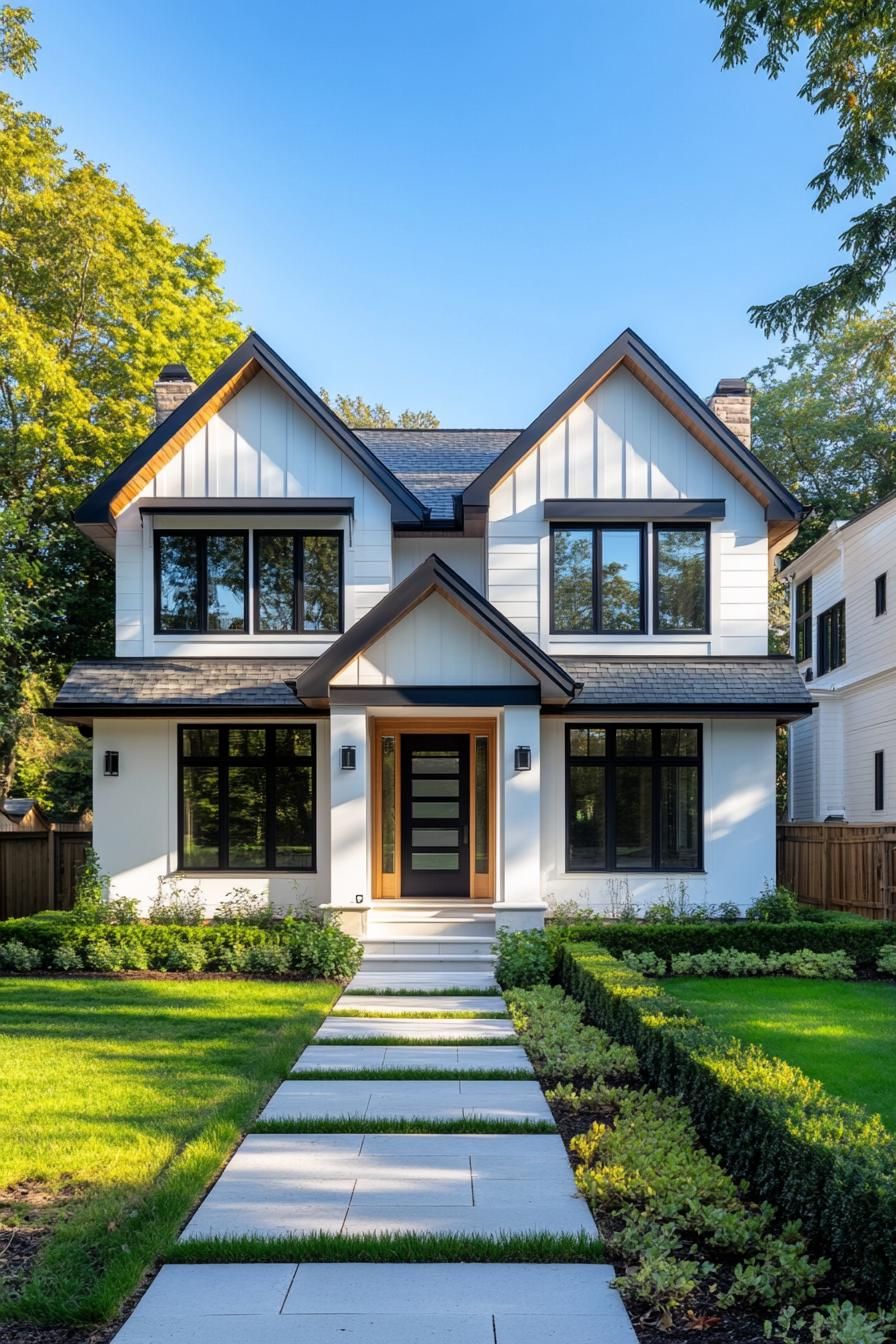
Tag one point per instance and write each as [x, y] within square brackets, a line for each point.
[839, 1031]
[119, 1101]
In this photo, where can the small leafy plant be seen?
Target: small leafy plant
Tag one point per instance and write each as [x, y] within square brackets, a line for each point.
[176, 904]
[774, 905]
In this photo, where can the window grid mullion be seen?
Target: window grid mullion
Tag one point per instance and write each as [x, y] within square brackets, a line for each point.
[223, 798]
[298, 571]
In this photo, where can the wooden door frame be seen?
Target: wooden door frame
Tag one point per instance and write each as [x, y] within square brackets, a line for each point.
[387, 886]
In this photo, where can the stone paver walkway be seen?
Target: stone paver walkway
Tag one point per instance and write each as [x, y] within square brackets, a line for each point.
[421, 1028]
[380, 1304]
[478, 1184]
[494, 1059]
[385, 1004]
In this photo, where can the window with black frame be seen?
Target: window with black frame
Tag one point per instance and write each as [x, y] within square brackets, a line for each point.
[298, 582]
[246, 797]
[201, 583]
[803, 621]
[681, 580]
[597, 582]
[633, 798]
[832, 638]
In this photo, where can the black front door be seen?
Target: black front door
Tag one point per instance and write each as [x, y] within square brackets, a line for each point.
[435, 815]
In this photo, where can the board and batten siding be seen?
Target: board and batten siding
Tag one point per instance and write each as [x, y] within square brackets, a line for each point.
[260, 445]
[434, 645]
[621, 443]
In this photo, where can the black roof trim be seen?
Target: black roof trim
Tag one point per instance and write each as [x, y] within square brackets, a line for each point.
[81, 713]
[629, 346]
[292, 504]
[647, 510]
[783, 712]
[432, 576]
[405, 506]
[466, 696]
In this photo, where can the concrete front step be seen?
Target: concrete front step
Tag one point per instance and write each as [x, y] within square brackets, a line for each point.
[385, 964]
[381, 944]
[443, 927]
[424, 982]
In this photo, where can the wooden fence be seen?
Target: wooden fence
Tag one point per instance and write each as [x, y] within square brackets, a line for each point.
[840, 867]
[38, 869]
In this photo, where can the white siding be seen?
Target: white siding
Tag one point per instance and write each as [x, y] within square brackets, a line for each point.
[869, 725]
[465, 555]
[135, 818]
[433, 646]
[621, 443]
[739, 823]
[260, 445]
[801, 759]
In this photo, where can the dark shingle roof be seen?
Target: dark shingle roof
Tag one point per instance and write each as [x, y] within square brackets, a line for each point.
[251, 683]
[437, 464]
[619, 682]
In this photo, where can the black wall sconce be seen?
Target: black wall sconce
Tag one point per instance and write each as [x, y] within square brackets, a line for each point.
[348, 758]
[522, 758]
[110, 763]
[359, 900]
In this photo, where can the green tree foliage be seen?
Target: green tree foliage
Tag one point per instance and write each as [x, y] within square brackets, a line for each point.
[359, 414]
[53, 760]
[95, 296]
[849, 49]
[824, 420]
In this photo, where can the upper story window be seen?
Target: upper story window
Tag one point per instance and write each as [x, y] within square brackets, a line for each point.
[298, 586]
[681, 580]
[598, 580]
[832, 638]
[803, 621]
[880, 595]
[201, 583]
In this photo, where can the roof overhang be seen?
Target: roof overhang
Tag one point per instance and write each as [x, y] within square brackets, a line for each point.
[433, 576]
[783, 510]
[97, 516]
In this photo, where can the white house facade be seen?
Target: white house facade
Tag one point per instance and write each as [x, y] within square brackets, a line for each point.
[842, 761]
[497, 666]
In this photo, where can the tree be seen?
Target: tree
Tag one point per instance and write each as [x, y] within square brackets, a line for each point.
[95, 297]
[359, 414]
[850, 57]
[824, 421]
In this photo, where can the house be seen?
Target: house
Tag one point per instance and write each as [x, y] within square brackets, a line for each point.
[505, 666]
[844, 642]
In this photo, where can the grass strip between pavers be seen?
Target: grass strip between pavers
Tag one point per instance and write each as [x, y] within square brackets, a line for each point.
[448, 1016]
[539, 1248]
[412, 1075]
[360, 1124]
[463, 1042]
[459, 991]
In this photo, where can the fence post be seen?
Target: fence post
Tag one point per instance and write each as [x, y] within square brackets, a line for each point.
[51, 869]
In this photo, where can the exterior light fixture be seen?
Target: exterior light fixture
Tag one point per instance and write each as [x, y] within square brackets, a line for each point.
[522, 758]
[110, 763]
[348, 758]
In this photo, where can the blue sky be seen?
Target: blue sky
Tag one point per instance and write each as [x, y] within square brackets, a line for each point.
[455, 206]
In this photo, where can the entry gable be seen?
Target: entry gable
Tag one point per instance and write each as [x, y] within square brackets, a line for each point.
[96, 516]
[630, 352]
[434, 602]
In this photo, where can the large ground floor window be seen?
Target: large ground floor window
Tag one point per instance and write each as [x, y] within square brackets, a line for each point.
[246, 798]
[634, 798]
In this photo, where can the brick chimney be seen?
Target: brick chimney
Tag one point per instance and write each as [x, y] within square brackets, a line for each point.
[172, 386]
[732, 403]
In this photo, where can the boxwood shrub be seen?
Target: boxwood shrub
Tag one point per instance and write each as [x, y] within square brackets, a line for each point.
[823, 1161]
[301, 947]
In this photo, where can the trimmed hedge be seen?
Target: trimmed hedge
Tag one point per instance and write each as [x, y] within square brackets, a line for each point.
[302, 947]
[820, 1160]
[860, 941]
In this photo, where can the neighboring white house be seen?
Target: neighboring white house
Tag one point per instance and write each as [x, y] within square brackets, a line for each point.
[512, 666]
[842, 761]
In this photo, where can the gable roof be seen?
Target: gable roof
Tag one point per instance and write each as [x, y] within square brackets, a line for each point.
[630, 352]
[434, 576]
[437, 464]
[96, 516]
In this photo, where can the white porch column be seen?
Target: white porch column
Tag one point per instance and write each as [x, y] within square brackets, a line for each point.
[521, 906]
[349, 819]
